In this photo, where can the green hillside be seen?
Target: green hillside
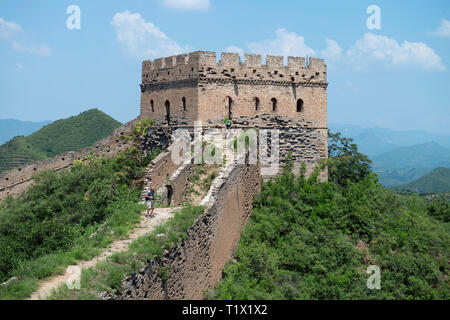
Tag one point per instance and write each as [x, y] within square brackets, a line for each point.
[392, 177]
[50, 225]
[71, 134]
[17, 152]
[437, 181]
[406, 164]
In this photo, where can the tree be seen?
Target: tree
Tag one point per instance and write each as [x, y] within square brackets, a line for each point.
[345, 163]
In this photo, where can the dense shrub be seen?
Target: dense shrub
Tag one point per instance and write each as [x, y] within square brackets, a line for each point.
[59, 208]
[312, 240]
[304, 242]
[345, 163]
[439, 210]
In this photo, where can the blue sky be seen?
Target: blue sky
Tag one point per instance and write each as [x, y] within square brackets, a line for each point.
[395, 77]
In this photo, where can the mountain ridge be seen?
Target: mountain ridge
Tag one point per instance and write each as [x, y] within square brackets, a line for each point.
[377, 140]
[70, 134]
[10, 128]
[427, 155]
[436, 181]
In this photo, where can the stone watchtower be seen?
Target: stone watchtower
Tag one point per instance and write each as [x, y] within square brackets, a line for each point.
[178, 90]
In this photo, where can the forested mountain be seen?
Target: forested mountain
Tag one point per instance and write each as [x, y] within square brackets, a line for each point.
[437, 181]
[71, 134]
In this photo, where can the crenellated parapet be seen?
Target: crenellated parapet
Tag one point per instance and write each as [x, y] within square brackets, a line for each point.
[204, 65]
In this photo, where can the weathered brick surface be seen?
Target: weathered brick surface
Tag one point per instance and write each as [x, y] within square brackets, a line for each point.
[243, 91]
[297, 138]
[207, 86]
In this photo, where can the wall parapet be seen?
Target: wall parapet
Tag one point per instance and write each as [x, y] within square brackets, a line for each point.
[203, 64]
[208, 58]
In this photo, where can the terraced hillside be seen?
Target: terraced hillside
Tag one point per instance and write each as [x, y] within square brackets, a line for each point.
[71, 134]
[17, 152]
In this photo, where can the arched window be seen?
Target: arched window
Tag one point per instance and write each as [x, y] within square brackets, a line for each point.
[167, 111]
[152, 105]
[274, 104]
[299, 105]
[256, 100]
[183, 100]
[229, 106]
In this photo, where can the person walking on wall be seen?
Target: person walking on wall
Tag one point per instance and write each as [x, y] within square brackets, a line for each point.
[150, 199]
[228, 126]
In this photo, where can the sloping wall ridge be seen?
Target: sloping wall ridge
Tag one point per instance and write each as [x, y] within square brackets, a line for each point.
[195, 264]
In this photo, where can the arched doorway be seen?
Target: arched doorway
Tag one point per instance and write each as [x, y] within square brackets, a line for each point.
[256, 102]
[274, 104]
[169, 194]
[168, 112]
[229, 107]
[299, 105]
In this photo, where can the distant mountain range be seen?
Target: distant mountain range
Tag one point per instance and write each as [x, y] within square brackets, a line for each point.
[406, 164]
[399, 157]
[426, 155]
[71, 134]
[392, 177]
[437, 181]
[374, 141]
[9, 128]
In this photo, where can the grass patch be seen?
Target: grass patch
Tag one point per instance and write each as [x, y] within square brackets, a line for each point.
[108, 275]
[67, 217]
[30, 272]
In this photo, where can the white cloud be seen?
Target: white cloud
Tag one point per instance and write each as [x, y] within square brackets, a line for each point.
[333, 50]
[374, 48]
[187, 4]
[443, 30]
[13, 33]
[370, 49]
[39, 50]
[284, 44]
[143, 39]
[20, 66]
[7, 29]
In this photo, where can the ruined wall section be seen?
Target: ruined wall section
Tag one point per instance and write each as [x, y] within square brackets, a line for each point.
[196, 263]
[159, 171]
[297, 138]
[162, 173]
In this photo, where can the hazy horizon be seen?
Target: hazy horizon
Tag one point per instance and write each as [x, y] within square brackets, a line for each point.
[395, 77]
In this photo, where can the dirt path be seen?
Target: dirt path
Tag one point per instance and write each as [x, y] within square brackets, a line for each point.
[146, 226]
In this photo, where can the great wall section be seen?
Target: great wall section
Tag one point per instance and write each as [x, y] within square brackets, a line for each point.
[13, 182]
[195, 264]
[178, 91]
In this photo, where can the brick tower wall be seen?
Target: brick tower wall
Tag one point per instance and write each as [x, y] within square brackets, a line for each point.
[207, 86]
